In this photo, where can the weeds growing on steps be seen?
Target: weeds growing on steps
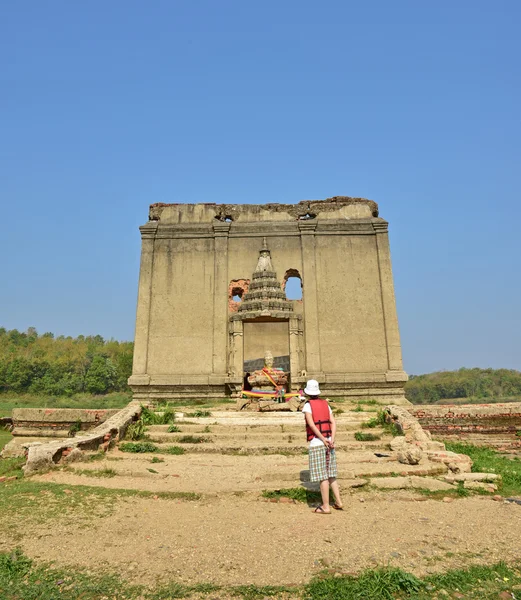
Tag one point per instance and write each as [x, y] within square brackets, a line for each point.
[193, 439]
[145, 447]
[381, 421]
[360, 436]
[137, 430]
[150, 417]
[198, 414]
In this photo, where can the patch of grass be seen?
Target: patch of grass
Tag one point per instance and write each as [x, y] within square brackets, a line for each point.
[478, 581]
[458, 492]
[138, 447]
[11, 467]
[96, 456]
[338, 411]
[170, 591]
[174, 450]
[199, 413]
[173, 429]
[381, 421]
[254, 592]
[207, 429]
[21, 578]
[360, 436]
[358, 408]
[153, 471]
[193, 439]
[201, 402]
[486, 460]
[373, 584]
[144, 447]
[30, 501]
[109, 473]
[299, 494]
[5, 437]
[9, 401]
[156, 459]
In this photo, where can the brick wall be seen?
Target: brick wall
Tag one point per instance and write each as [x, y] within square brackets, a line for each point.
[469, 418]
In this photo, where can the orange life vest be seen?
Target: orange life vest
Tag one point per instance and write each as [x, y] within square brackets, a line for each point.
[321, 418]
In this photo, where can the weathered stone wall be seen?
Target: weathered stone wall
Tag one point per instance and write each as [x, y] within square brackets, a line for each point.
[469, 418]
[44, 456]
[35, 421]
[193, 254]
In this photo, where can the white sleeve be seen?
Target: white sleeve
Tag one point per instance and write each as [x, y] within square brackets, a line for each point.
[306, 408]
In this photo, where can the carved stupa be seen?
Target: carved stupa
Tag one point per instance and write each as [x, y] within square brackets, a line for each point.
[265, 296]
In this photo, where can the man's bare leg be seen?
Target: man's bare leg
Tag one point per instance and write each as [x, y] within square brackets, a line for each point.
[336, 491]
[324, 492]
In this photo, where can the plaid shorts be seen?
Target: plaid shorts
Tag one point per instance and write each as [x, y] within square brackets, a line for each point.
[320, 465]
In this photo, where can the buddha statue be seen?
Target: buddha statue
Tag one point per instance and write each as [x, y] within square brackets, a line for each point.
[269, 378]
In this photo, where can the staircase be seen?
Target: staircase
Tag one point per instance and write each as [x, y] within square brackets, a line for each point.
[239, 452]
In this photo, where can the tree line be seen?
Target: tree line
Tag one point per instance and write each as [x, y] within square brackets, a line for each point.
[465, 383]
[63, 366]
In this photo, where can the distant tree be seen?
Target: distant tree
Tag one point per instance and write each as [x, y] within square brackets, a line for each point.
[101, 375]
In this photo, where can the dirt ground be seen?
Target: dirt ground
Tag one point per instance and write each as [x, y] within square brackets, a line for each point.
[241, 539]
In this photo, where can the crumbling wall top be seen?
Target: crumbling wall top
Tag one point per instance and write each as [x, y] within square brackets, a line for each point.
[337, 207]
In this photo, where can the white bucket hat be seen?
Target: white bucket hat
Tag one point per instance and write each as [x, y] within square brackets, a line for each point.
[312, 388]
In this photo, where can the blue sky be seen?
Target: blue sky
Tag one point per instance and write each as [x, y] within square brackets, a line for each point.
[107, 107]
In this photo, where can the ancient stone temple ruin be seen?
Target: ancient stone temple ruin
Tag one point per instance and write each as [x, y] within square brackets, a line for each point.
[212, 300]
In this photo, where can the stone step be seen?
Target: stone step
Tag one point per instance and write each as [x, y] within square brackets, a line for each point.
[234, 418]
[257, 438]
[211, 474]
[189, 425]
[248, 447]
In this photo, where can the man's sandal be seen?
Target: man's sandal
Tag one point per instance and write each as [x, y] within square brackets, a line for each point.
[337, 506]
[320, 511]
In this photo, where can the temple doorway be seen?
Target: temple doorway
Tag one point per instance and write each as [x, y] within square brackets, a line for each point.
[263, 336]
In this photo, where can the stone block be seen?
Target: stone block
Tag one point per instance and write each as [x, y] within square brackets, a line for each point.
[410, 455]
[490, 477]
[426, 483]
[480, 485]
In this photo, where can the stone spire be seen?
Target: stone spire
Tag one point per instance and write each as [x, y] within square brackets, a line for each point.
[265, 297]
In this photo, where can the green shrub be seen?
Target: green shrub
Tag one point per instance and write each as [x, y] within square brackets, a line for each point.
[151, 417]
[366, 437]
[74, 428]
[138, 447]
[173, 429]
[374, 422]
[136, 430]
